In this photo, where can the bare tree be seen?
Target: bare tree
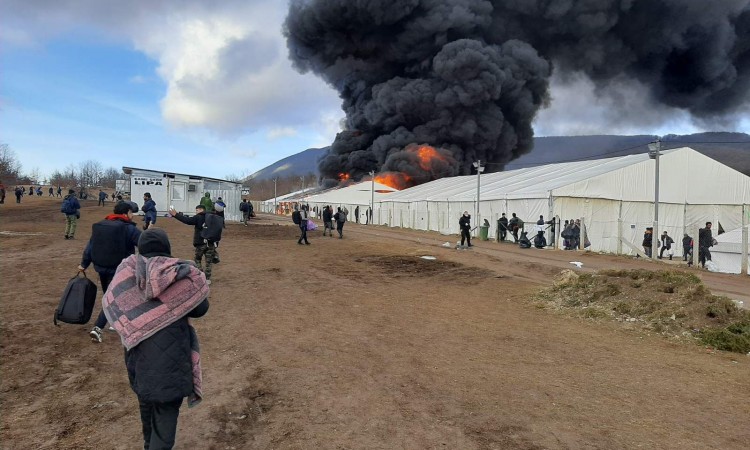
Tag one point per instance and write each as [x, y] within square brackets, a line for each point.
[109, 177]
[89, 174]
[10, 167]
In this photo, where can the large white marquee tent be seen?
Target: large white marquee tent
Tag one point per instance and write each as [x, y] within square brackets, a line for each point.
[613, 196]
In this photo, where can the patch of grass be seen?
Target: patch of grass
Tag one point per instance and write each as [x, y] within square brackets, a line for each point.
[669, 302]
[733, 338]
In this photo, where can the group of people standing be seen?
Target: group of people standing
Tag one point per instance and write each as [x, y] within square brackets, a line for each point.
[301, 218]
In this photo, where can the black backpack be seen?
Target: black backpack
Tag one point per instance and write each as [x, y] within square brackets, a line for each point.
[296, 217]
[77, 301]
[109, 243]
[212, 227]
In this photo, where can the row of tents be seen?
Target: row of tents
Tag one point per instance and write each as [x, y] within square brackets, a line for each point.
[613, 197]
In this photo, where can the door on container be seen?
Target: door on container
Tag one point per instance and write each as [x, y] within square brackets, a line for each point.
[178, 194]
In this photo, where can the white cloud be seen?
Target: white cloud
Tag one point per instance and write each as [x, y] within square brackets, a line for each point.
[225, 66]
[281, 132]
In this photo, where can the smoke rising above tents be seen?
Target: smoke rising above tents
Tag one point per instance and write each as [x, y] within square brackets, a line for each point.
[467, 77]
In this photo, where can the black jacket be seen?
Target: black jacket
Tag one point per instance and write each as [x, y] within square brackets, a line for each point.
[465, 223]
[327, 215]
[160, 368]
[705, 238]
[197, 221]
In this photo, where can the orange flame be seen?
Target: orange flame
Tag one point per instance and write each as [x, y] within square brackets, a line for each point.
[344, 176]
[396, 180]
[427, 155]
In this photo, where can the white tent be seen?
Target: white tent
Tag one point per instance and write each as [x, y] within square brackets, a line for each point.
[613, 196]
[351, 197]
[727, 254]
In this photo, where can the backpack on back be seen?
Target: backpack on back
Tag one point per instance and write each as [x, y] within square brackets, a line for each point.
[68, 207]
[77, 301]
[296, 217]
[212, 228]
[109, 243]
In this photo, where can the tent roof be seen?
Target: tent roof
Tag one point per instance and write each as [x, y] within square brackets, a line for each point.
[534, 182]
[686, 176]
[355, 194]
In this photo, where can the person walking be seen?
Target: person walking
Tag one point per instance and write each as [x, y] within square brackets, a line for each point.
[102, 197]
[59, 192]
[153, 296]
[687, 249]
[666, 244]
[39, 191]
[648, 241]
[245, 211]
[340, 218]
[71, 208]
[328, 221]
[464, 223]
[208, 205]
[2, 193]
[304, 216]
[705, 240]
[204, 249]
[149, 210]
[112, 240]
[356, 214]
[19, 193]
[51, 191]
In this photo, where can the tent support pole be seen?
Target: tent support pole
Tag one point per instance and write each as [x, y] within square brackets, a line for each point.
[744, 263]
[696, 245]
[619, 230]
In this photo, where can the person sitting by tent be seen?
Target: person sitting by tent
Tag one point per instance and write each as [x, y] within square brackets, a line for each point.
[524, 241]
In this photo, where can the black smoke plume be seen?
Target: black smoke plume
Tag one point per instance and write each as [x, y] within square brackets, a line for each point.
[468, 76]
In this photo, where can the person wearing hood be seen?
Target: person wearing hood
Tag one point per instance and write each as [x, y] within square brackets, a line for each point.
[206, 202]
[464, 223]
[152, 298]
[112, 240]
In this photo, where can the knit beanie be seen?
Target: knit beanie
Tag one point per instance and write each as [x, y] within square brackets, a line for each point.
[154, 242]
[218, 207]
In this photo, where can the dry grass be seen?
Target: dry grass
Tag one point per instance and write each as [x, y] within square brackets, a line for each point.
[672, 303]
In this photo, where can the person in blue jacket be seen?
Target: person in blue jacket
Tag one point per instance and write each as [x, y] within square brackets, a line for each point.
[149, 209]
[70, 207]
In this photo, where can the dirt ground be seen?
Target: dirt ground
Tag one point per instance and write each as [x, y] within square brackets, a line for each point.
[359, 344]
